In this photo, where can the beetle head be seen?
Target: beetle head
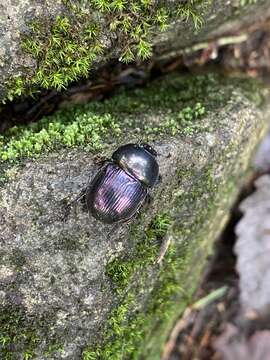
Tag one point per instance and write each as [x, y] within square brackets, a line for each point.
[149, 148]
[139, 160]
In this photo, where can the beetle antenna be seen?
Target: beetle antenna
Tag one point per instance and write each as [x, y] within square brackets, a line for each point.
[73, 202]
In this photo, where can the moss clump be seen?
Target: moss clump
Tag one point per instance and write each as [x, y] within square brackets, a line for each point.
[66, 47]
[10, 335]
[18, 336]
[120, 270]
[122, 334]
[47, 135]
[92, 124]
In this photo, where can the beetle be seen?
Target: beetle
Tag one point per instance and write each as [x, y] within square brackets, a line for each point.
[120, 187]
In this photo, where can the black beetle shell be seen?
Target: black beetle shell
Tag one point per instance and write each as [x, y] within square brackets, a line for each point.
[114, 195]
[139, 161]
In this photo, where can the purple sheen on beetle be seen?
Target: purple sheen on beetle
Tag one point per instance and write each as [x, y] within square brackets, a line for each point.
[114, 195]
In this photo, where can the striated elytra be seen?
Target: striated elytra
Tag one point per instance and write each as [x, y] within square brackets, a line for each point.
[120, 187]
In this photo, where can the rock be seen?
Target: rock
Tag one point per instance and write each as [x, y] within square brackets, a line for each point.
[232, 344]
[261, 162]
[252, 248]
[74, 288]
[50, 44]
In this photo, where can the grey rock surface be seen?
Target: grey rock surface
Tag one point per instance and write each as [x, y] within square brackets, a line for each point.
[261, 160]
[252, 248]
[55, 292]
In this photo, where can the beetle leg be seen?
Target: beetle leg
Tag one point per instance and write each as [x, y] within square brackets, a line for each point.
[148, 199]
[113, 229]
[79, 197]
[163, 249]
[101, 161]
[146, 203]
[69, 205]
[159, 180]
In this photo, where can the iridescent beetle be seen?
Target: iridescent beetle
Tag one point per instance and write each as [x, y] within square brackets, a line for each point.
[120, 187]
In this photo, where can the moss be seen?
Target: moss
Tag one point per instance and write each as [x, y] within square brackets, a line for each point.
[120, 270]
[19, 336]
[92, 124]
[67, 129]
[66, 47]
[242, 3]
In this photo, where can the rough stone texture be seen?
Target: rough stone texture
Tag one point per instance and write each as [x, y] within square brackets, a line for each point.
[55, 291]
[220, 19]
[252, 248]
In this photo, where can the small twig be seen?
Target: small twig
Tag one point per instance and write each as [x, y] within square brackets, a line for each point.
[188, 318]
[214, 295]
[226, 40]
[163, 248]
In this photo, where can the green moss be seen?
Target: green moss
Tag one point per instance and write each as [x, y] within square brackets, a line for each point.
[10, 334]
[120, 270]
[47, 135]
[242, 3]
[66, 47]
[19, 336]
[92, 124]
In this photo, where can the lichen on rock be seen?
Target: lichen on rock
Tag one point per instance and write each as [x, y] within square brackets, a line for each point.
[70, 288]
